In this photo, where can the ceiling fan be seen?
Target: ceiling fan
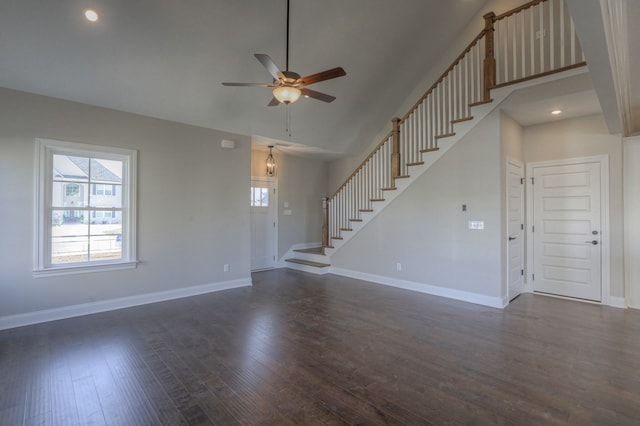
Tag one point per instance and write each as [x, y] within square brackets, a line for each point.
[287, 85]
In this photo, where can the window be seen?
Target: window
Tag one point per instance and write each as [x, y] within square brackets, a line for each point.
[85, 208]
[72, 190]
[259, 197]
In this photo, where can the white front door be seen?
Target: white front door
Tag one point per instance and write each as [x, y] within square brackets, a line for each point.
[515, 228]
[263, 224]
[567, 220]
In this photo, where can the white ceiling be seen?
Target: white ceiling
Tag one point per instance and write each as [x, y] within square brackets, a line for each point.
[168, 58]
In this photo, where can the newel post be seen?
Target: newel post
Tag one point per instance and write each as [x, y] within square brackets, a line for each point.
[325, 222]
[395, 154]
[489, 59]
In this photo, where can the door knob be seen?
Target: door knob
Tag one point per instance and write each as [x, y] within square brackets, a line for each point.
[512, 238]
[594, 242]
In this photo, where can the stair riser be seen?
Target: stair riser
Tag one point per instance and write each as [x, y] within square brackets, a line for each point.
[310, 269]
[320, 258]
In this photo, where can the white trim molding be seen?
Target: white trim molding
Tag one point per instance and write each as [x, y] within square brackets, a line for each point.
[434, 290]
[631, 187]
[29, 318]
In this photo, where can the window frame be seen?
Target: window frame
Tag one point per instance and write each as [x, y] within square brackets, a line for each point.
[45, 150]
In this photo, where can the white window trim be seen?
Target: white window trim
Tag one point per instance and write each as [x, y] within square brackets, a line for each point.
[45, 148]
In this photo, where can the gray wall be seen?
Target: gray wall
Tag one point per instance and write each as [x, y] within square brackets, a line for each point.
[583, 137]
[193, 213]
[302, 182]
[426, 230]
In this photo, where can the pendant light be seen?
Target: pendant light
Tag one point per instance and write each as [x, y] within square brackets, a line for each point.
[271, 163]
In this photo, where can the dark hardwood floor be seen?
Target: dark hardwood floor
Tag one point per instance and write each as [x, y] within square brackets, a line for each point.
[303, 349]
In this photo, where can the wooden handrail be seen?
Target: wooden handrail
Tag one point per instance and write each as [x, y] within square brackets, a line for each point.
[442, 76]
[517, 9]
[376, 149]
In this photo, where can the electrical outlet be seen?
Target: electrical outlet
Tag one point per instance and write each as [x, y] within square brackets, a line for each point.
[226, 267]
[398, 266]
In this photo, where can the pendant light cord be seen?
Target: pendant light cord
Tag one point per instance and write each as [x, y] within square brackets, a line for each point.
[287, 54]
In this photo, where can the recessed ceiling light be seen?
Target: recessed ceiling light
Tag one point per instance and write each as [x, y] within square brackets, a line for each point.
[556, 112]
[91, 15]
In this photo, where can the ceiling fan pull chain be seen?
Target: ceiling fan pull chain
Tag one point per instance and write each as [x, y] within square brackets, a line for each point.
[288, 129]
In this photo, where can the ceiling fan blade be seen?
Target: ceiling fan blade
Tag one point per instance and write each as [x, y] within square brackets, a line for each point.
[322, 76]
[274, 102]
[268, 63]
[250, 84]
[317, 95]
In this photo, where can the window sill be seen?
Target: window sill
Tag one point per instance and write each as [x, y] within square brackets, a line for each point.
[70, 270]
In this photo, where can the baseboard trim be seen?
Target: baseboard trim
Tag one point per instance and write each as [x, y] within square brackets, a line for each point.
[464, 296]
[30, 318]
[617, 302]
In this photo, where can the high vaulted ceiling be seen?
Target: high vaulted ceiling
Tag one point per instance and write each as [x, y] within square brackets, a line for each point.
[168, 58]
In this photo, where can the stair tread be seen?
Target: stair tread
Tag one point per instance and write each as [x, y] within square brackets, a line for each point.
[429, 150]
[460, 120]
[312, 250]
[445, 135]
[308, 263]
[481, 103]
[418, 163]
[393, 188]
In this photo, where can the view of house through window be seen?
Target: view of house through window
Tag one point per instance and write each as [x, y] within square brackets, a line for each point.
[86, 209]
[259, 197]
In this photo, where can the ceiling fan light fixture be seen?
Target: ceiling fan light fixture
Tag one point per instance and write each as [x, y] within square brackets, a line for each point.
[287, 94]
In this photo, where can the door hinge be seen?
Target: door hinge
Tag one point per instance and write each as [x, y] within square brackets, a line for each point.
[521, 181]
[274, 224]
[533, 277]
[522, 226]
[533, 228]
[531, 180]
[522, 272]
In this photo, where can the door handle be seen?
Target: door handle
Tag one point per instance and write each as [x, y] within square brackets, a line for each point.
[594, 242]
[512, 238]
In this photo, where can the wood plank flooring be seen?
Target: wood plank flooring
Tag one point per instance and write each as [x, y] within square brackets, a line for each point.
[299, 349]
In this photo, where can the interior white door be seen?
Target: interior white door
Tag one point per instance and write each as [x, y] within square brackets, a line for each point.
[263, 224]
[567, 254]
[515, 228]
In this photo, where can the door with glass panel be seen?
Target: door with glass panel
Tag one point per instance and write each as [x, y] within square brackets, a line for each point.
[263, 224]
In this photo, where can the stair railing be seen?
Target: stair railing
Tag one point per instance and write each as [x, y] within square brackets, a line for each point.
[533, 40]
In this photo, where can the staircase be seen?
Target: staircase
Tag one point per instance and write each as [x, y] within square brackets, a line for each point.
[530, 42]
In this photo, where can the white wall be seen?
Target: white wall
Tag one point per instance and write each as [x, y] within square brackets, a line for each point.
[583, 137]
[302, 182]
[426, 230]
[632, 225]
[193, 207]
